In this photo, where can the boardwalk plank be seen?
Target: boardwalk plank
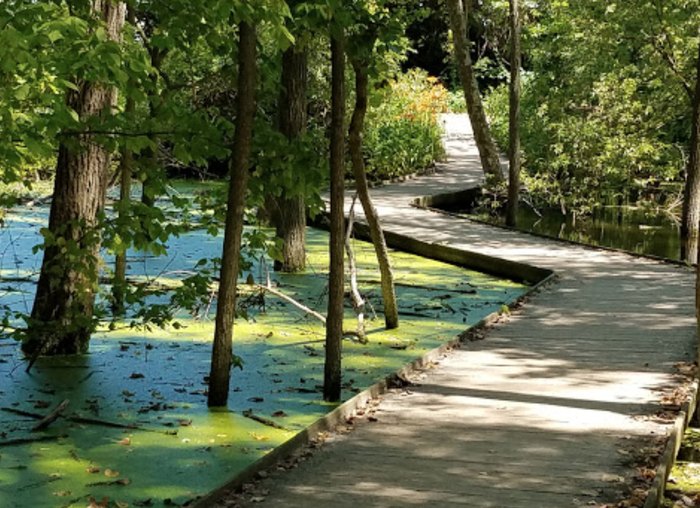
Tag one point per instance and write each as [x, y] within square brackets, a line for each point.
[544, 411]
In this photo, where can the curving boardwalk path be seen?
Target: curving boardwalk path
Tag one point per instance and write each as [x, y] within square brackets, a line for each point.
[546, 411]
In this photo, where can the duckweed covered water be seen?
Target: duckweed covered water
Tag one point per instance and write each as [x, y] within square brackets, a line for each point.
[157, 380]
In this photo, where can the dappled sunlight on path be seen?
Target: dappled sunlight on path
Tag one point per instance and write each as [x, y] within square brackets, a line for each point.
[548, 411]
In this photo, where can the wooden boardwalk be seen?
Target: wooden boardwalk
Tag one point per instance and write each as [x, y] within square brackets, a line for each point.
[546, 411]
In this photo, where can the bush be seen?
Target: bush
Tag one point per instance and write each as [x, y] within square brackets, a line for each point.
[403, 133]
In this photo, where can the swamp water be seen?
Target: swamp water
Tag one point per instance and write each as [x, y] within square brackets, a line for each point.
[631, 229]
[156, 380]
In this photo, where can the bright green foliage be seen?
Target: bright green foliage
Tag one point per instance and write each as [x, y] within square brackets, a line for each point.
[403, 133]
[605, 107]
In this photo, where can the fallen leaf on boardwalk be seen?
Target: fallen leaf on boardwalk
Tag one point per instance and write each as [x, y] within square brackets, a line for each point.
[125, 442]
[257, 499]
[110, 473]
[687, 369]
[645, 473]
[613, 478]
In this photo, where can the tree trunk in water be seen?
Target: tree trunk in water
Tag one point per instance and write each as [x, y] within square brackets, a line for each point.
[690, 226]
[514, 117]
[391, 312]
[336, 277]
[488, 152]
[288, 213]
[222, 352]
[126, 169]
[62, 316]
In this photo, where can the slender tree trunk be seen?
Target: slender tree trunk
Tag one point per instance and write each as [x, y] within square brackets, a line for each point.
[690, 226]
[391, 312]
[62, 316]
[288, 213]
[336, 278]
[222, 352]
[488, 152]
[126, 166]
[514, 116]
[694, 169]
[155, 102]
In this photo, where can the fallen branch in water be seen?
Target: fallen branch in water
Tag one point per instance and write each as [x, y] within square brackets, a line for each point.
[248, 413]
[29, 440]
[51, 417]
[291, 300]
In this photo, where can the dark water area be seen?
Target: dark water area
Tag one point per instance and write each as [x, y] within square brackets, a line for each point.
[636, 230]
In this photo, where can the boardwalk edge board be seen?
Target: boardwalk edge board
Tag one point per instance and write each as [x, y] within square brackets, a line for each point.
[436, 202]
[538, 277]
[655, 496]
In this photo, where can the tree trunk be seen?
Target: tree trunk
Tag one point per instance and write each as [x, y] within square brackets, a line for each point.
[690, 226]
[288, 213]
[222, 352]
[391, 312]
[488, 152]
[62, 317]
[336, 277]
[149, 189]
[514, 116]
[125, 169]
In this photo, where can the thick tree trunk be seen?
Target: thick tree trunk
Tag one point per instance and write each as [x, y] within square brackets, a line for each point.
[391, 312]
[690, 226]
[336, 277]
[62, 317]
[222, 352]
[514, 117]
[488, 152]
[288, 213]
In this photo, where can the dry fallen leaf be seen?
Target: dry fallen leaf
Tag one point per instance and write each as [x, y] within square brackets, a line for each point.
[92, 469]
[110, 473]
[125, 442]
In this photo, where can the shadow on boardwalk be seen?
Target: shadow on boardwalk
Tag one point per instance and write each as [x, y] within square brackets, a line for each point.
[549, 411]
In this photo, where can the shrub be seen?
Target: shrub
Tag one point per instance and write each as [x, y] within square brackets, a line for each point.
[403, 133]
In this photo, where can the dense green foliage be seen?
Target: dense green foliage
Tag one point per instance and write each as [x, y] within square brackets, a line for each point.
[176, 66]
[403, 132]
[606, 110]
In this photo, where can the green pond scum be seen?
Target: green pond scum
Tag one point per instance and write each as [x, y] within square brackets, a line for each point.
[156, 382]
